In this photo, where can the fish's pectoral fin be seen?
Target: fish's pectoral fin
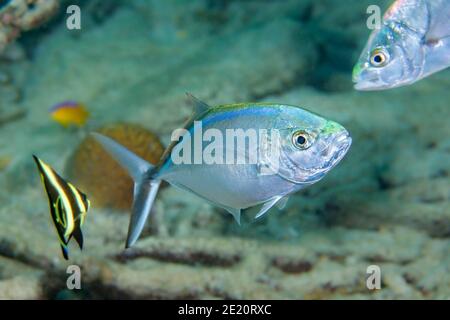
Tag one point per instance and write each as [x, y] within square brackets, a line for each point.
[236, 213]
[438, 57]
[267, 205]
[199, 106]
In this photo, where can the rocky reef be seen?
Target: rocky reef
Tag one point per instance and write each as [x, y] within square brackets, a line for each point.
[386, 204]
[17, 16]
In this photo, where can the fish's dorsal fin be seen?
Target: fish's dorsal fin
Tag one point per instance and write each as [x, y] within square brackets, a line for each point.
[198, 105]
[199, 108]
[267, 205]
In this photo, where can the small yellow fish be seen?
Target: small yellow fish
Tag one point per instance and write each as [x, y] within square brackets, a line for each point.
[68, 206]
[69, 113]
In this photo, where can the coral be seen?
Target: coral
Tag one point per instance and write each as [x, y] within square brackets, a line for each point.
[23, 15]
[100, 176]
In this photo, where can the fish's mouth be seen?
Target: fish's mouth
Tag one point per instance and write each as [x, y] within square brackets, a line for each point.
[369, 85]
[340, 145]
[368, 81]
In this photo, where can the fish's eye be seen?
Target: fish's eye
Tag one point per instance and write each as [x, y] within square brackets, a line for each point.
[301, 139]
[379, 58]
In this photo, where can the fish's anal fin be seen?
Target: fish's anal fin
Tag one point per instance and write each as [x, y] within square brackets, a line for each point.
[236, 213]
[199, 106]
[267, 205]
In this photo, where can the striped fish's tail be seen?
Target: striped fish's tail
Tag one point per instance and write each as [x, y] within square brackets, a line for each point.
[145, 189]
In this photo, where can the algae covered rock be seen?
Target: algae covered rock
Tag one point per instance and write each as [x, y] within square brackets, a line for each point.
[17, 16]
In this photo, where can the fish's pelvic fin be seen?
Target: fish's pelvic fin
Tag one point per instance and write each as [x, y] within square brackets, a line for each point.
[267, 205]
[145, 189]
[236, 213]
[199, 106]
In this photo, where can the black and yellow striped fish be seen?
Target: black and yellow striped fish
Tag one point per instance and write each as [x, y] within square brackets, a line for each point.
[68, 206]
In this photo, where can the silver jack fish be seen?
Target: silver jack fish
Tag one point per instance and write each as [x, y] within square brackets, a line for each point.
[283, 149]
[68, 206]
[413, 43]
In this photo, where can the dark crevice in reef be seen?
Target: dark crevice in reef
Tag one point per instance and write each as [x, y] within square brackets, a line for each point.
[291, 266]
[100, 291]
[8, 249]
[379, 259]
[96, 290]
[192, 257]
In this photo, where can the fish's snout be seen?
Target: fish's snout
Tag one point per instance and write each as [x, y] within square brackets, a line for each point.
[343, 140]
[338, 145]
[364, 78]
[356, 73]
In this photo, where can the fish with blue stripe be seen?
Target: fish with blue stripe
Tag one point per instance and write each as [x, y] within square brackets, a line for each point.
[304, 149]
[68, 206]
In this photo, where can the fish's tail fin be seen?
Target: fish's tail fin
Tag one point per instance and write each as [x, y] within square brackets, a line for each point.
[145, 189]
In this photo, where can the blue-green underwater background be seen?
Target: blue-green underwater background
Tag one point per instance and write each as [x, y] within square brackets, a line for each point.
[387, 203]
